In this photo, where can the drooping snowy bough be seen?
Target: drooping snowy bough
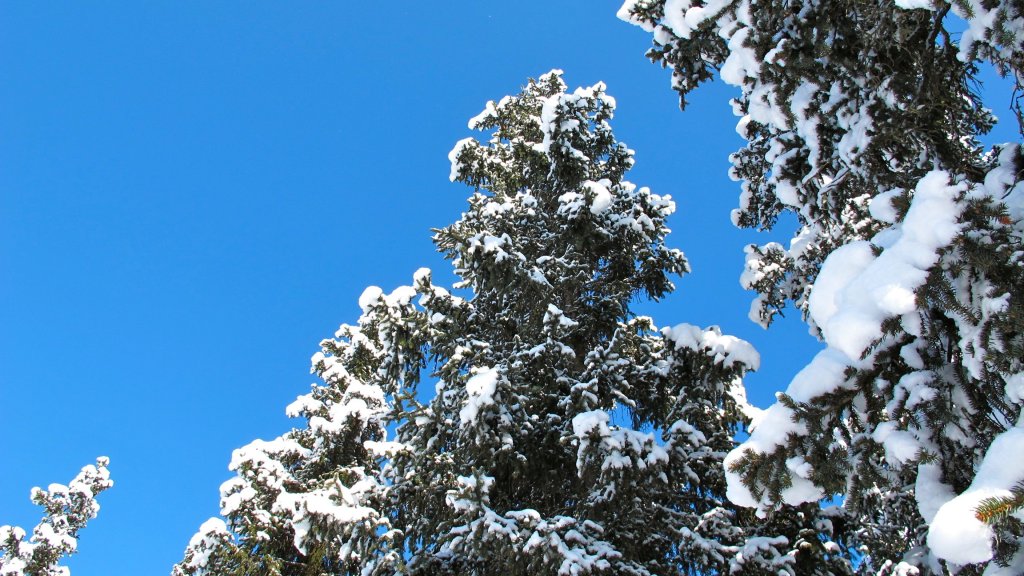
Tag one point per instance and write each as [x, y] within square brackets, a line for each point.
[534, 426]
[68, 509]
[861, 118]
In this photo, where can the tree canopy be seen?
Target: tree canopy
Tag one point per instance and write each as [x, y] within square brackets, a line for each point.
[525, 420]
[862, 120]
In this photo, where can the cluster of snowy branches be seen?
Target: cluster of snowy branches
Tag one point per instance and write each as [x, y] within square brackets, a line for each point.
[861, 119]
[68, 508]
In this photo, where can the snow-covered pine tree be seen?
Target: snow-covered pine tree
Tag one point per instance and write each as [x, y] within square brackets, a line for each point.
[68, 509]
[862, 120]
[563, 434]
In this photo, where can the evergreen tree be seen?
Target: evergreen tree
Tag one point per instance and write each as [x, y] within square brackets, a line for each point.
[862, 119]
[564, 434]
[68, 509]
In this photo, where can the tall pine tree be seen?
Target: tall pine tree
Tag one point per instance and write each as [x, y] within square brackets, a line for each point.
[862, 119]
[562, 435]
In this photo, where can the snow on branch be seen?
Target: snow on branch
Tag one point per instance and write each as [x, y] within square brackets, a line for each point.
[68, 509]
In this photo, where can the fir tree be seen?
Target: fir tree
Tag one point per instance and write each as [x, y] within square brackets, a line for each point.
[68, 509]
[862, 120]
[563, 434]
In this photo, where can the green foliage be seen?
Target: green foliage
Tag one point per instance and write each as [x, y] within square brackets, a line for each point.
[563, 434]
[997, 509]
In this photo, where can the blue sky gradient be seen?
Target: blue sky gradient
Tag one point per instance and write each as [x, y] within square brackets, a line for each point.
[194, 194]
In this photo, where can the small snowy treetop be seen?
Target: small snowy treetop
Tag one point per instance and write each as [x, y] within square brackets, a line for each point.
[67, 510]
[557, 210]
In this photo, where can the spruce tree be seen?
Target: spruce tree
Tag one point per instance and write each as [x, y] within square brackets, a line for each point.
[525, 422]
[862, 120]
[67, 510]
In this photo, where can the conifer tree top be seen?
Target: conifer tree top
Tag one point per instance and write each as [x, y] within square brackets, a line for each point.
[563, 434]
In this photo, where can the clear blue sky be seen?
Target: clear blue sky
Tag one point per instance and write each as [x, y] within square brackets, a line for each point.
[193, 194]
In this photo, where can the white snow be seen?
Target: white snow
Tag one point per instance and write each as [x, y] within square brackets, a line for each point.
[900, 446]
[453, 157]
[724, 349]
[956, 534]
[554, 312]
[585, 422]
[602, 197]
[807, 122]
[570, 203]
[881, 207]
[930, 491]
[1015, 388]
[421, 275]
[914, 4]
[205, 540]
[480, 389]
[335, 504]
[838, 270]
[677, 17]
[489, 112]
[616, 447]
[369, 297]
[624, 15]
[741, 63]
[304, 404]
[855, 291]
[548, 115]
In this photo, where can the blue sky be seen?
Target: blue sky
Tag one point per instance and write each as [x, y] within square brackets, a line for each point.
[194, 194]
